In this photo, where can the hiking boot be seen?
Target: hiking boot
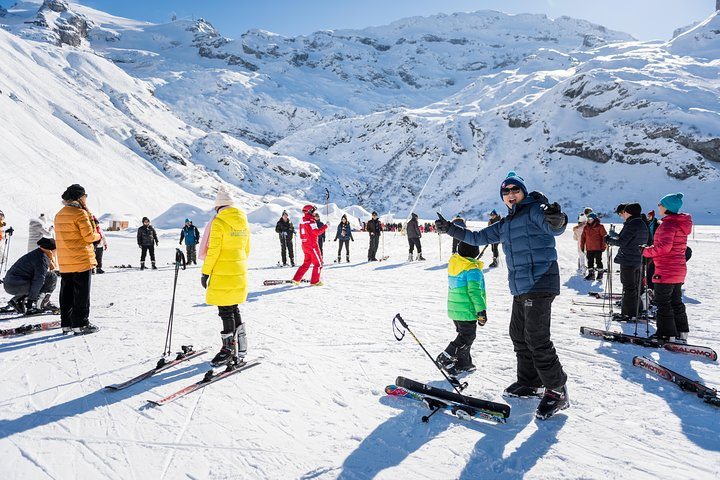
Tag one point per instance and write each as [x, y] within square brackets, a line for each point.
[86, 330]
[447, 363]
[590, 275]
[521, 391]
[552, 402]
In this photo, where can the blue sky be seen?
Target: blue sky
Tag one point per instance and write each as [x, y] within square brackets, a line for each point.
[644, 19]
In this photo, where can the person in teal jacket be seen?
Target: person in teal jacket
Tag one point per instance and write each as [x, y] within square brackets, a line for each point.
[467, 306]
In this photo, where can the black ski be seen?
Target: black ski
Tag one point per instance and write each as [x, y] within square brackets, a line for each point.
[210, 377]
[28, 329]
[163, 364]
[461, 411]
[605, 295]
[491, 410]
[699, 350]
[269, 283]
[709, 395]
[40, 313]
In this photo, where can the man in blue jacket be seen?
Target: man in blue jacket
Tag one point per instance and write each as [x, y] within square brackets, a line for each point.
[30, 277]
[191, 235]
[527, 235]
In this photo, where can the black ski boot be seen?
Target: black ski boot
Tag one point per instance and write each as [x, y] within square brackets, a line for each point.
[347, 258]
[227, 352]
[552, 402]
[517, 390]
[600, 273]
[447, 363]
[464, 362]
[85, 330]
[494, 263]
[420, 258]
[142, 265]
[18, 304]
[590, 275]
[338, 259]
[153, 266]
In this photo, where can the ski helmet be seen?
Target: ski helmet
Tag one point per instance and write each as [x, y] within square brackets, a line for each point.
[309, 209]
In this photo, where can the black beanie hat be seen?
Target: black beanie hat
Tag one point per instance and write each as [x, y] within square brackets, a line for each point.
[47, 243]
[620, 208]
[145, 218]
[466, 250]
[73, 192]
[633, 209]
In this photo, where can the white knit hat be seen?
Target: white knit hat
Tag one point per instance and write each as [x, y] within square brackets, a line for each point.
[223, 198]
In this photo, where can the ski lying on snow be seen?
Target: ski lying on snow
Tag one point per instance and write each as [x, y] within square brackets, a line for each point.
[210, 377]
[699, 350]
[604, 295]
[459, 410]
[708, 395]
[268, 283]
[25, 315]
[186, 354]
[439, 398]
[28, 329]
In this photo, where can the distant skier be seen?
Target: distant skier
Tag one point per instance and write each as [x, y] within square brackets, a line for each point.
[191, 235]
[4, 239]
[577, 236]
[344, 234]
[374, 229]
[224, 275]
[633, 234]
[309, 233]
[321, 237]
[528, 236]
[285, 229]
[31, 280]
[413, 235]
[467, 307]
[592, 242]
[75, 235]
[494, 218]
[37, 229]
[100, 246]
[147, 240]
[669, 252]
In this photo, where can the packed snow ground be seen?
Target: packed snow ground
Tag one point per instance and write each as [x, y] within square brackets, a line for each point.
[316, 408]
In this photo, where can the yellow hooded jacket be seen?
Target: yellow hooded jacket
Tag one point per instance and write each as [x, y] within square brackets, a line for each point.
[226, 260]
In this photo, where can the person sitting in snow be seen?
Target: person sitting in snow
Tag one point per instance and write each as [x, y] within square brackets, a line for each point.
[467, 307]
[191, 235]
[224, 275]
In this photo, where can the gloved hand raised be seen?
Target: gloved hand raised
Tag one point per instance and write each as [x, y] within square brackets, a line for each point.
[554, 216]
[204, 280]
[441, 224]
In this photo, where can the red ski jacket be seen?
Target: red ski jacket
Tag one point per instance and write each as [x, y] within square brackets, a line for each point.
[668, 249]
[593, 237]
[309, 233]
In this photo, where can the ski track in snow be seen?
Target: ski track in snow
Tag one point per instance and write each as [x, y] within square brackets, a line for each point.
[315, 408]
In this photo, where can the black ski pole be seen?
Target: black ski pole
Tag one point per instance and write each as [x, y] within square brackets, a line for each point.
[459, 387]
[483, 251]
[179, 260]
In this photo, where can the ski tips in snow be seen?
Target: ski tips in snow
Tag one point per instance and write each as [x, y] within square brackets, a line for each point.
[698, 350]
[707, 394]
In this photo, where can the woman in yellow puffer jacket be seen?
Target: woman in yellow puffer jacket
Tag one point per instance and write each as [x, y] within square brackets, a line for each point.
[74, 235]
[224, 275]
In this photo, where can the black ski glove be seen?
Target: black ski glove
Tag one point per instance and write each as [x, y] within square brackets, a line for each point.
[9, 232]
[554, 216]
[157, 243]
[441, 224]
[482, 318]
[204, 280]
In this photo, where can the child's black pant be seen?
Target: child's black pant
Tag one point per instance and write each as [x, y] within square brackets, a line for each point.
[594, 257]
[460, 347]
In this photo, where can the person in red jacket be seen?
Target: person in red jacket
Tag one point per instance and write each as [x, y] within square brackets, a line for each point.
[668, 254]
[592, 242]
[309, 233]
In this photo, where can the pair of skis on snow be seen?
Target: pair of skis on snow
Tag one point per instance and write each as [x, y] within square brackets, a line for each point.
[437, 399]
[187, 353]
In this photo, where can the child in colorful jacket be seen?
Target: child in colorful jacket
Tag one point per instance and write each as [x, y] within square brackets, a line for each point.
[467, 307]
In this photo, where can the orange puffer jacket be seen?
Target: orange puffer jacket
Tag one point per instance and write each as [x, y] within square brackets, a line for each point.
[74, 235]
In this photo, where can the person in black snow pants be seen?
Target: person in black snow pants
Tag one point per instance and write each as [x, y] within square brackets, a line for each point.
[374, 229]
[494, 218]
[321, 238]
[285, 229]
[344, 234]
[459, 221]
[191, 235]
[527, 235]
[413, 235]
[147, 240]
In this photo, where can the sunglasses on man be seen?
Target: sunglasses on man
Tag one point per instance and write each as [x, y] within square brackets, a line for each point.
[508, 191]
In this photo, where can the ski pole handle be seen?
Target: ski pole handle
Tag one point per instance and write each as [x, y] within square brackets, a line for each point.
[399, 334]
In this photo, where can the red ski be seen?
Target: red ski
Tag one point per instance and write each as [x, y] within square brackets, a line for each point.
[28, 329]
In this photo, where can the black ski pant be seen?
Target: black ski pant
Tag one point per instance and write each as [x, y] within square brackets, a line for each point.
[415, 243]
[495, 251]
[346, 243]
[537, 361]
[75, 298]
[145, 250]
[650, 271]
[456, 242]
[460, 347]
[630, 279]
[671, 316]
[98, 256]
[373, 248]
[594, 257]
[191, 251]
[20, 290]
[232, 323]
[286, 247]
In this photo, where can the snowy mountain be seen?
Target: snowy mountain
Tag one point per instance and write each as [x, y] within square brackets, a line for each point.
[583, 112]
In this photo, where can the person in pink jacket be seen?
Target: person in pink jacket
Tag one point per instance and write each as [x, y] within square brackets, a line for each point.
[668, 253]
